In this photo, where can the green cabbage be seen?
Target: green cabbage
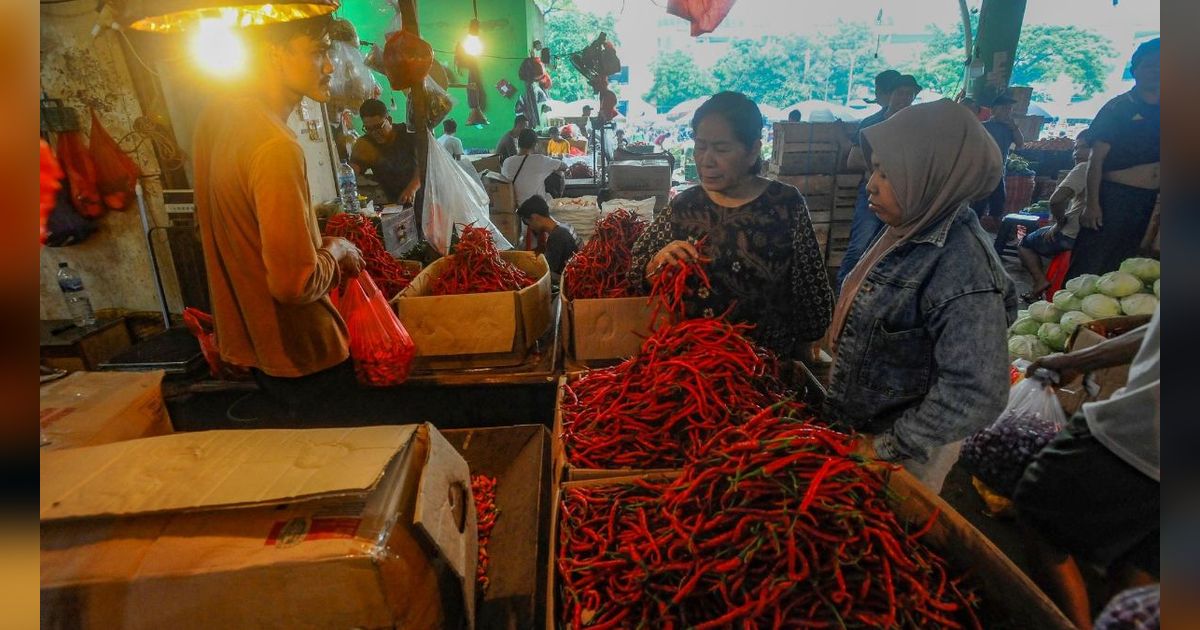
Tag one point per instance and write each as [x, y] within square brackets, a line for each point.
[1053, 336]
[1071, 321]
[1146, 269]
[1156, 289]
[1044, 311]
[1118, 284]
[1027, 347]
[1100, 306]
[1022, 314]
[1024, 326]
[1139, 304]
[1083, 285]
[1065, 301]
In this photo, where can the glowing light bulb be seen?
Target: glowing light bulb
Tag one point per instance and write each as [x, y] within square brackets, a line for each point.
[473, 46]
[216, 47]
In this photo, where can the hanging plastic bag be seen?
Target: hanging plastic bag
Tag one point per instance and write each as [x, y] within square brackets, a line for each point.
[116, 173]
[49, 176]
[380, 346]
[352, 82]
[406, 60]
[439, 101]
[80, 168]
[998, 455]
[202, 327]
[64, 225]
[453, 197]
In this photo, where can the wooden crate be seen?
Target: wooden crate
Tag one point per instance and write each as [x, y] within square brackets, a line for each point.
[810, 148]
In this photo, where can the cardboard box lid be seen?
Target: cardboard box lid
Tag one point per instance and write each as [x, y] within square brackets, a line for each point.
[216, 469]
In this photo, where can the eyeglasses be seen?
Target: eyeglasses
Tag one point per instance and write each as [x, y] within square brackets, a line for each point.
[374, 128]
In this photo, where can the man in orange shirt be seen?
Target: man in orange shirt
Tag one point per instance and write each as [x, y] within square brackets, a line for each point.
[269, 269]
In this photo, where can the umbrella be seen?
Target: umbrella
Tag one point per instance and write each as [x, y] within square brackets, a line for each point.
[823, 111]
[772, 113]
[1038, 109]
[686, 108]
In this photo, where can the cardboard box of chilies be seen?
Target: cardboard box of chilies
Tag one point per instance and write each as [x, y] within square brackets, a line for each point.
[369, 527]
[1007, 593]
[89, 408]
[476, 329]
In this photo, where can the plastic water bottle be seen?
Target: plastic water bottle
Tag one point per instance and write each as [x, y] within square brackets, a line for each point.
[78, 300]
[348, 188]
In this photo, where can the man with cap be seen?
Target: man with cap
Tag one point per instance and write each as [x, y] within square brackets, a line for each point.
[893, 92]
[1006, 134]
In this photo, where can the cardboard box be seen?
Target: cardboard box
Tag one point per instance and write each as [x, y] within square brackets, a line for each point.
[488, 162]
[1006, 592]
[640, 175]
[367, 527]
[603, 329]
[501, 192]
[1073, 394]
[89, 408]
[481, 329]
[518, 457]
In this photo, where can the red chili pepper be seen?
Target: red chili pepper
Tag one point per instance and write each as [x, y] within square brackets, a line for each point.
[389, 274]
[600, 268]
[476, 267]
[483, 489]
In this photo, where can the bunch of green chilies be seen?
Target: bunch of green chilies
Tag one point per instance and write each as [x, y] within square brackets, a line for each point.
[775, 526]
[771, 523]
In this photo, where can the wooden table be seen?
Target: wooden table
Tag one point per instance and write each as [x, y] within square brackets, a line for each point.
[69, 347]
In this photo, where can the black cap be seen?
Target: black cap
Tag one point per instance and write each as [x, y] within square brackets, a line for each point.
[906, 80]
[884, 82]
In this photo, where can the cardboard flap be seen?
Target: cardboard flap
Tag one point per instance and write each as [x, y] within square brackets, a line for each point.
[445, 510]
[215, 469]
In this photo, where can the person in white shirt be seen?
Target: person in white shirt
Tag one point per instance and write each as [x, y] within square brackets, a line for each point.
[528, 170]
[1066, 205]
[1093, 492]
[449, 141]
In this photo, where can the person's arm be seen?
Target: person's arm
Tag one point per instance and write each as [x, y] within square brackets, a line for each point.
[297, 271]
[1108, 353]
[1093, 216]
[656, 236]
[1018, 139]
[812, 298]
[969, 388]
[1060, 201]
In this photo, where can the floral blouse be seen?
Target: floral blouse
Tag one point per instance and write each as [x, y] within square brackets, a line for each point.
[766, 263]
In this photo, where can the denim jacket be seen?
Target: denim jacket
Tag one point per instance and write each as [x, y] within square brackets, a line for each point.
[923, 360]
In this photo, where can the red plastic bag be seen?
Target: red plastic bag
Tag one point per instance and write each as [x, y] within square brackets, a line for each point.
[116, 173]
[201, 325]
[49, 175]
[80, 168]
[380, 346]
[705, 15]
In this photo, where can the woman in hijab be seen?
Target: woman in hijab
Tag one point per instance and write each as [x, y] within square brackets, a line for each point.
[919, 329]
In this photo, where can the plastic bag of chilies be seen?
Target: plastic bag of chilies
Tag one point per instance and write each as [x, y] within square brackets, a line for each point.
[116, 172]
[380, 346]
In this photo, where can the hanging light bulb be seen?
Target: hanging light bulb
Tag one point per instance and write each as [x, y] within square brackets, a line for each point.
[472, 45]
[216, 47]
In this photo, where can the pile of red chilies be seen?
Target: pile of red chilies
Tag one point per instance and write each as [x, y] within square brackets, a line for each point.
[689, 380]
[776, 526]
[483, 488]
[389, 274]
[600, 268]
[476, 267]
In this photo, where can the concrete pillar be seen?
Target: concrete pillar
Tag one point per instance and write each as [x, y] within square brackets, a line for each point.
[999, 29]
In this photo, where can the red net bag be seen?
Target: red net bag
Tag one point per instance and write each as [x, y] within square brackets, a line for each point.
[80, 168]
[116, 173]
[380, 346]
[406, 60]
[201, 325]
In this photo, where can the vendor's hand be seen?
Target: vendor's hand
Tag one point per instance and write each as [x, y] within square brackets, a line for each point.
[675, 251]
[409, 195]
[1064, 364]
[1092, 217]
[348, 257]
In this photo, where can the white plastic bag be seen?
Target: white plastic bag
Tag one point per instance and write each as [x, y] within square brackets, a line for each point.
[352, 82]
[451, 197]
[998, 455]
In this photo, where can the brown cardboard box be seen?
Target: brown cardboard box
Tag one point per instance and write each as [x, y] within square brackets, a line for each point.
[489, 162]
[1072, 395]
[501, 193]
[596, 330]
[640, 175]
[1006, 592]
[89, 408]
[490, 329]
[367, 527]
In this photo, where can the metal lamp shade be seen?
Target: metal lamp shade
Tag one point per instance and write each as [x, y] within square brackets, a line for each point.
[177, 16]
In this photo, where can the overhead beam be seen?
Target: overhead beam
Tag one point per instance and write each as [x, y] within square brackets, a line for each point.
[999, 33]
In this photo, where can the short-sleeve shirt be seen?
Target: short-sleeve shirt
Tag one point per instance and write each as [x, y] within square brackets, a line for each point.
[392, 164]
[1076, 182]
[532, 177]
[873, 119]
[562, 243]
[506, 147]
[452, 145]
[1131, 127]
[1002, 134]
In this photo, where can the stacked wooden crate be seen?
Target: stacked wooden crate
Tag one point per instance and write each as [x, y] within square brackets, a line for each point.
[812, 157]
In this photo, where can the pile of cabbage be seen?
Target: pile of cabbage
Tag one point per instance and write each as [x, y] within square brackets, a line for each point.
[1047, 325]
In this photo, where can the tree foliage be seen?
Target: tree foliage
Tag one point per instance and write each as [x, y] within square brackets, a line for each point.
[677, 78]
[1044, 53]
[568, 30]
